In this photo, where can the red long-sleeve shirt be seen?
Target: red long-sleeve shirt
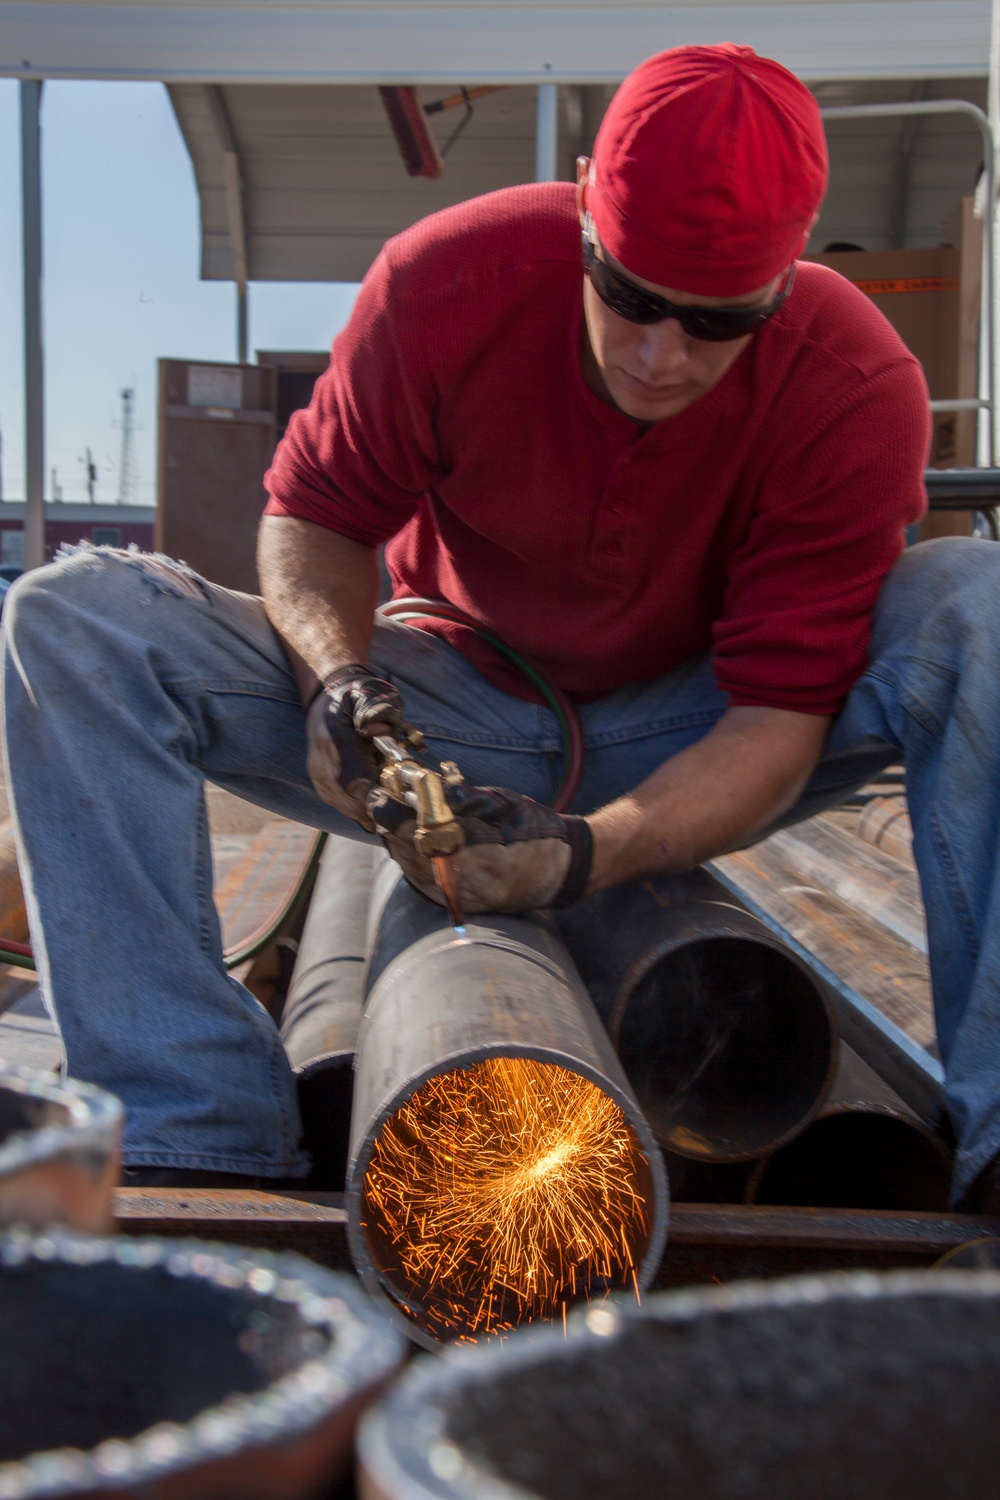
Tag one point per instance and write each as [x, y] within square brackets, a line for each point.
[760, 522]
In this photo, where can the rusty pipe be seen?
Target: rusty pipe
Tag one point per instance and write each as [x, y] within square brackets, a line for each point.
[322, 1014]
[437, 1004]
[726, 1037]
[865, 1149]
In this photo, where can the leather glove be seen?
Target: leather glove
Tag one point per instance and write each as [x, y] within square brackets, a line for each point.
[518, 855]
[349, 707]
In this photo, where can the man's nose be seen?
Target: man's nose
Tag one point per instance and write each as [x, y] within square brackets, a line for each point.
[663, 346]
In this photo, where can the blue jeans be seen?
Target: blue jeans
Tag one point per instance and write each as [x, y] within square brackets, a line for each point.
[129, 681]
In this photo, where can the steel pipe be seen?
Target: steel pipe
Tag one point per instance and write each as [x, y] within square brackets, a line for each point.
[439, 1004]
[322, 1014]
[822, 1386]
[190, 1371]
[693, 1181]
[865, 1149]
[59, 1145]
[726, 1037]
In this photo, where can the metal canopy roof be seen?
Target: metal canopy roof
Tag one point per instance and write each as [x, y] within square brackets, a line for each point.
[299, 176]
[322, 183]
[478, 41]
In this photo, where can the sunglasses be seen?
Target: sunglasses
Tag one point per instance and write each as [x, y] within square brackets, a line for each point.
[714, 325]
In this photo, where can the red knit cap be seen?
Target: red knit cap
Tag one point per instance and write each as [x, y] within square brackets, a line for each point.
[708, 168]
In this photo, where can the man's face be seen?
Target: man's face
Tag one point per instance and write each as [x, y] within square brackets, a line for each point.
[651, 371]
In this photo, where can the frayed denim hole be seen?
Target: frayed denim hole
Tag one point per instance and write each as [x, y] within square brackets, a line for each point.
[166, 574]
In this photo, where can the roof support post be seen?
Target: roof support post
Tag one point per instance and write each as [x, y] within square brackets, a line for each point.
[34, 381]
[232, 175]
[546, 132]
[242, 319]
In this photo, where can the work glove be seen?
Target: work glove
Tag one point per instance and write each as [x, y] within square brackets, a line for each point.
[518, 855]
[349, 708]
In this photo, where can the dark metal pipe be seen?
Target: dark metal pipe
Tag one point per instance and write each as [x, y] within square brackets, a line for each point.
[962, 489]
[322, 1014]
[181, 1371]
[866, 1149]
[438, 1003]
[727, 1038]
[822, 1386]
[59, 1145]
[693, 1181]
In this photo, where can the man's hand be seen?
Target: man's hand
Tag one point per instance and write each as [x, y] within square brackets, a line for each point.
[518, 855]
[351, 707]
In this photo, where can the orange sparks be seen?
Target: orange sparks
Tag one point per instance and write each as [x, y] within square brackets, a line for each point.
[501, 1192]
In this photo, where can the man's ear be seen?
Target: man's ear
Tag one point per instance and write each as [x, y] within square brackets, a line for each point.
[582, 178]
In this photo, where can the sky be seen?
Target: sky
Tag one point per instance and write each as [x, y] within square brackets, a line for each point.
[121, 287]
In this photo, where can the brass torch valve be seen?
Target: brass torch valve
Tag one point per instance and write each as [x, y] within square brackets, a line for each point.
[421, 787]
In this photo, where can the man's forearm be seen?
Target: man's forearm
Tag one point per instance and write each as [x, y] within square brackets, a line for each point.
[714, 796]
[320, 590]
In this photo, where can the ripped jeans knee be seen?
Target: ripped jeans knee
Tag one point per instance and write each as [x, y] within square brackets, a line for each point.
[166, 574]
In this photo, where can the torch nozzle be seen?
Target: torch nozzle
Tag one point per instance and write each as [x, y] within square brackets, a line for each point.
[447, 882]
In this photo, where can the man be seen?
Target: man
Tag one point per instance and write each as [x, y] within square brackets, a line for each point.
[678, 476]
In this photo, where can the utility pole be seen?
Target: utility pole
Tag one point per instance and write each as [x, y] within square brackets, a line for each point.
[91, 469]
[1, 468]
[56, 488]
[34, 389]
[126, 470]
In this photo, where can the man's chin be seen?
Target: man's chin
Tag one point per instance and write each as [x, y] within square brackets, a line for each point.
[651, 405]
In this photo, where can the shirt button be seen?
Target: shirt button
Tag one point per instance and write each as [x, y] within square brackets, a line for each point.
[613, 549]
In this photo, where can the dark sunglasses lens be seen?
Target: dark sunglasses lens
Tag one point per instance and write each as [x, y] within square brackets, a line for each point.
[629, 302]
[715, 325]
[712, 325]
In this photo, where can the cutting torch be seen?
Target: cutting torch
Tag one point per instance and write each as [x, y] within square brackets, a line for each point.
[410, 777]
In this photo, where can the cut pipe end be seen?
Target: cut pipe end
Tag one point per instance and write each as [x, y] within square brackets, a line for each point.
[502, 1192]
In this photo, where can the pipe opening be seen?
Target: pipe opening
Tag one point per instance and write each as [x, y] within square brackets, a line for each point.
[822, 1388]
[115, 1350]
[728, 1045]
[857, 1160]
[325, 1092]
[499, 1193]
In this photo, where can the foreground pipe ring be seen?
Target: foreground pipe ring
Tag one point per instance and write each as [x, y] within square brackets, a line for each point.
[59, 1144]
[462, 1011]
[179, 1370]
[728, 1040]
[866, 1149]
[823, 1387]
